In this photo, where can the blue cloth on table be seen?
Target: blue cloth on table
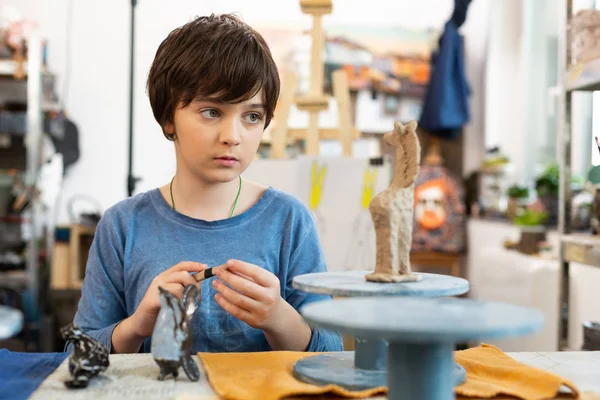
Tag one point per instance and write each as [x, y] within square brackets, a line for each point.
[22, 373]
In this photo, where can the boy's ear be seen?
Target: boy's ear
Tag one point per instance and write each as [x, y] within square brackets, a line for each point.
[169, 128]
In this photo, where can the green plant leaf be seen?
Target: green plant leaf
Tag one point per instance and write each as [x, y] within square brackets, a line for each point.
[531, 218]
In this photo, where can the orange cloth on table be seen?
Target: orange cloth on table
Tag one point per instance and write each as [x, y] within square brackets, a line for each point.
[490, 372]
[269, 376]
[264, 376]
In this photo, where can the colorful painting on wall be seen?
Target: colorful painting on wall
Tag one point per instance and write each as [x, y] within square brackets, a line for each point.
[387, 59]
[388, 67]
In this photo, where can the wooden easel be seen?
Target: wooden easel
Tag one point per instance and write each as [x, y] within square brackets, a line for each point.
[315, 101]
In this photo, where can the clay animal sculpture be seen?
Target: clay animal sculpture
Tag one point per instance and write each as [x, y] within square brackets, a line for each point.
[171, 338]
[392, 210]
[88, 359]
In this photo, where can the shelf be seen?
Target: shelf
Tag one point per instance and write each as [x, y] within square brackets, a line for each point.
[584, 76]
[16, 280]
[51, 106]
[581, 248]
[8, 67]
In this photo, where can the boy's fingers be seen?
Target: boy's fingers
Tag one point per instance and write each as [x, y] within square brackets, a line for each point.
[248, 288]
[232, 309]
[254, 272]
[236, 298]
[190, 266]
[182, 277]
[242, 275]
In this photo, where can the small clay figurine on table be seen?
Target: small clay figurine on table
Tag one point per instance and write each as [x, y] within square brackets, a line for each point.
[171, 338]
[392, 210]
[88, 359]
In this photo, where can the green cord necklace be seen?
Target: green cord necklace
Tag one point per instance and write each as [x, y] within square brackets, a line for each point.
[234, 202]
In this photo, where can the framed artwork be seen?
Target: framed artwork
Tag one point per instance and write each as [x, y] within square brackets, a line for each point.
[388, 69]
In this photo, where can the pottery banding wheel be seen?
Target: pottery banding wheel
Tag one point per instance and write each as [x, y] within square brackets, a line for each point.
[366, 367]
[421, 334]
[353, 284]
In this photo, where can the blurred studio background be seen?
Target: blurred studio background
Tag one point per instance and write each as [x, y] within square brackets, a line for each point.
[503, 91]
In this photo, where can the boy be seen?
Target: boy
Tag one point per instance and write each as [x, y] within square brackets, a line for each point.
[213, 87]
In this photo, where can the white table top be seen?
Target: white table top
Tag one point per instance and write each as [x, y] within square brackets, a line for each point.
[11, 322]
[133, 377]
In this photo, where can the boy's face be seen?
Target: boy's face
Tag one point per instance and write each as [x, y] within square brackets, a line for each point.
[217, 141]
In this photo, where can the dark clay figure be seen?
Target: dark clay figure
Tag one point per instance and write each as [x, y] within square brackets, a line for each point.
[171, 338]
[88, 358]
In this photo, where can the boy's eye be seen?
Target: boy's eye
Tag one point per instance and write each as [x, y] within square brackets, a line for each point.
[253, 118]
[210, 113]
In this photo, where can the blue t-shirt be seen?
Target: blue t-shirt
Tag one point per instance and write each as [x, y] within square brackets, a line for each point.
[142, 236]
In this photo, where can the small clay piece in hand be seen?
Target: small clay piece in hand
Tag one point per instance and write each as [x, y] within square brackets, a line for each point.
[88, 359]
[171, 338]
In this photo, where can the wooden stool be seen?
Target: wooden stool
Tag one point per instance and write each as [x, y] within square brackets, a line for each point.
[437, 259]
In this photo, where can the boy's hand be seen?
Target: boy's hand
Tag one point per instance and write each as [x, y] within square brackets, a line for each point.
[256, 299]
[175, 279]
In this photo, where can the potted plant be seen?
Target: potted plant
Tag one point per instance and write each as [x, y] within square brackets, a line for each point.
[533, 231]
[517, 196]
[546, 186]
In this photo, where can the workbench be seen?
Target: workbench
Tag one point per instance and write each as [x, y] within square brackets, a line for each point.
[133, 377]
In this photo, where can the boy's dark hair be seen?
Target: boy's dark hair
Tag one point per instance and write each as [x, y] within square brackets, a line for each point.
[216, 56]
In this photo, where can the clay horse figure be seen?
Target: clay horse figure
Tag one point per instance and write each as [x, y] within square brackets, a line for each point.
[171, 337]
[88, 359]
[392, 210]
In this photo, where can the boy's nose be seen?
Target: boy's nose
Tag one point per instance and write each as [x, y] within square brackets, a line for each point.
[230, 132]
